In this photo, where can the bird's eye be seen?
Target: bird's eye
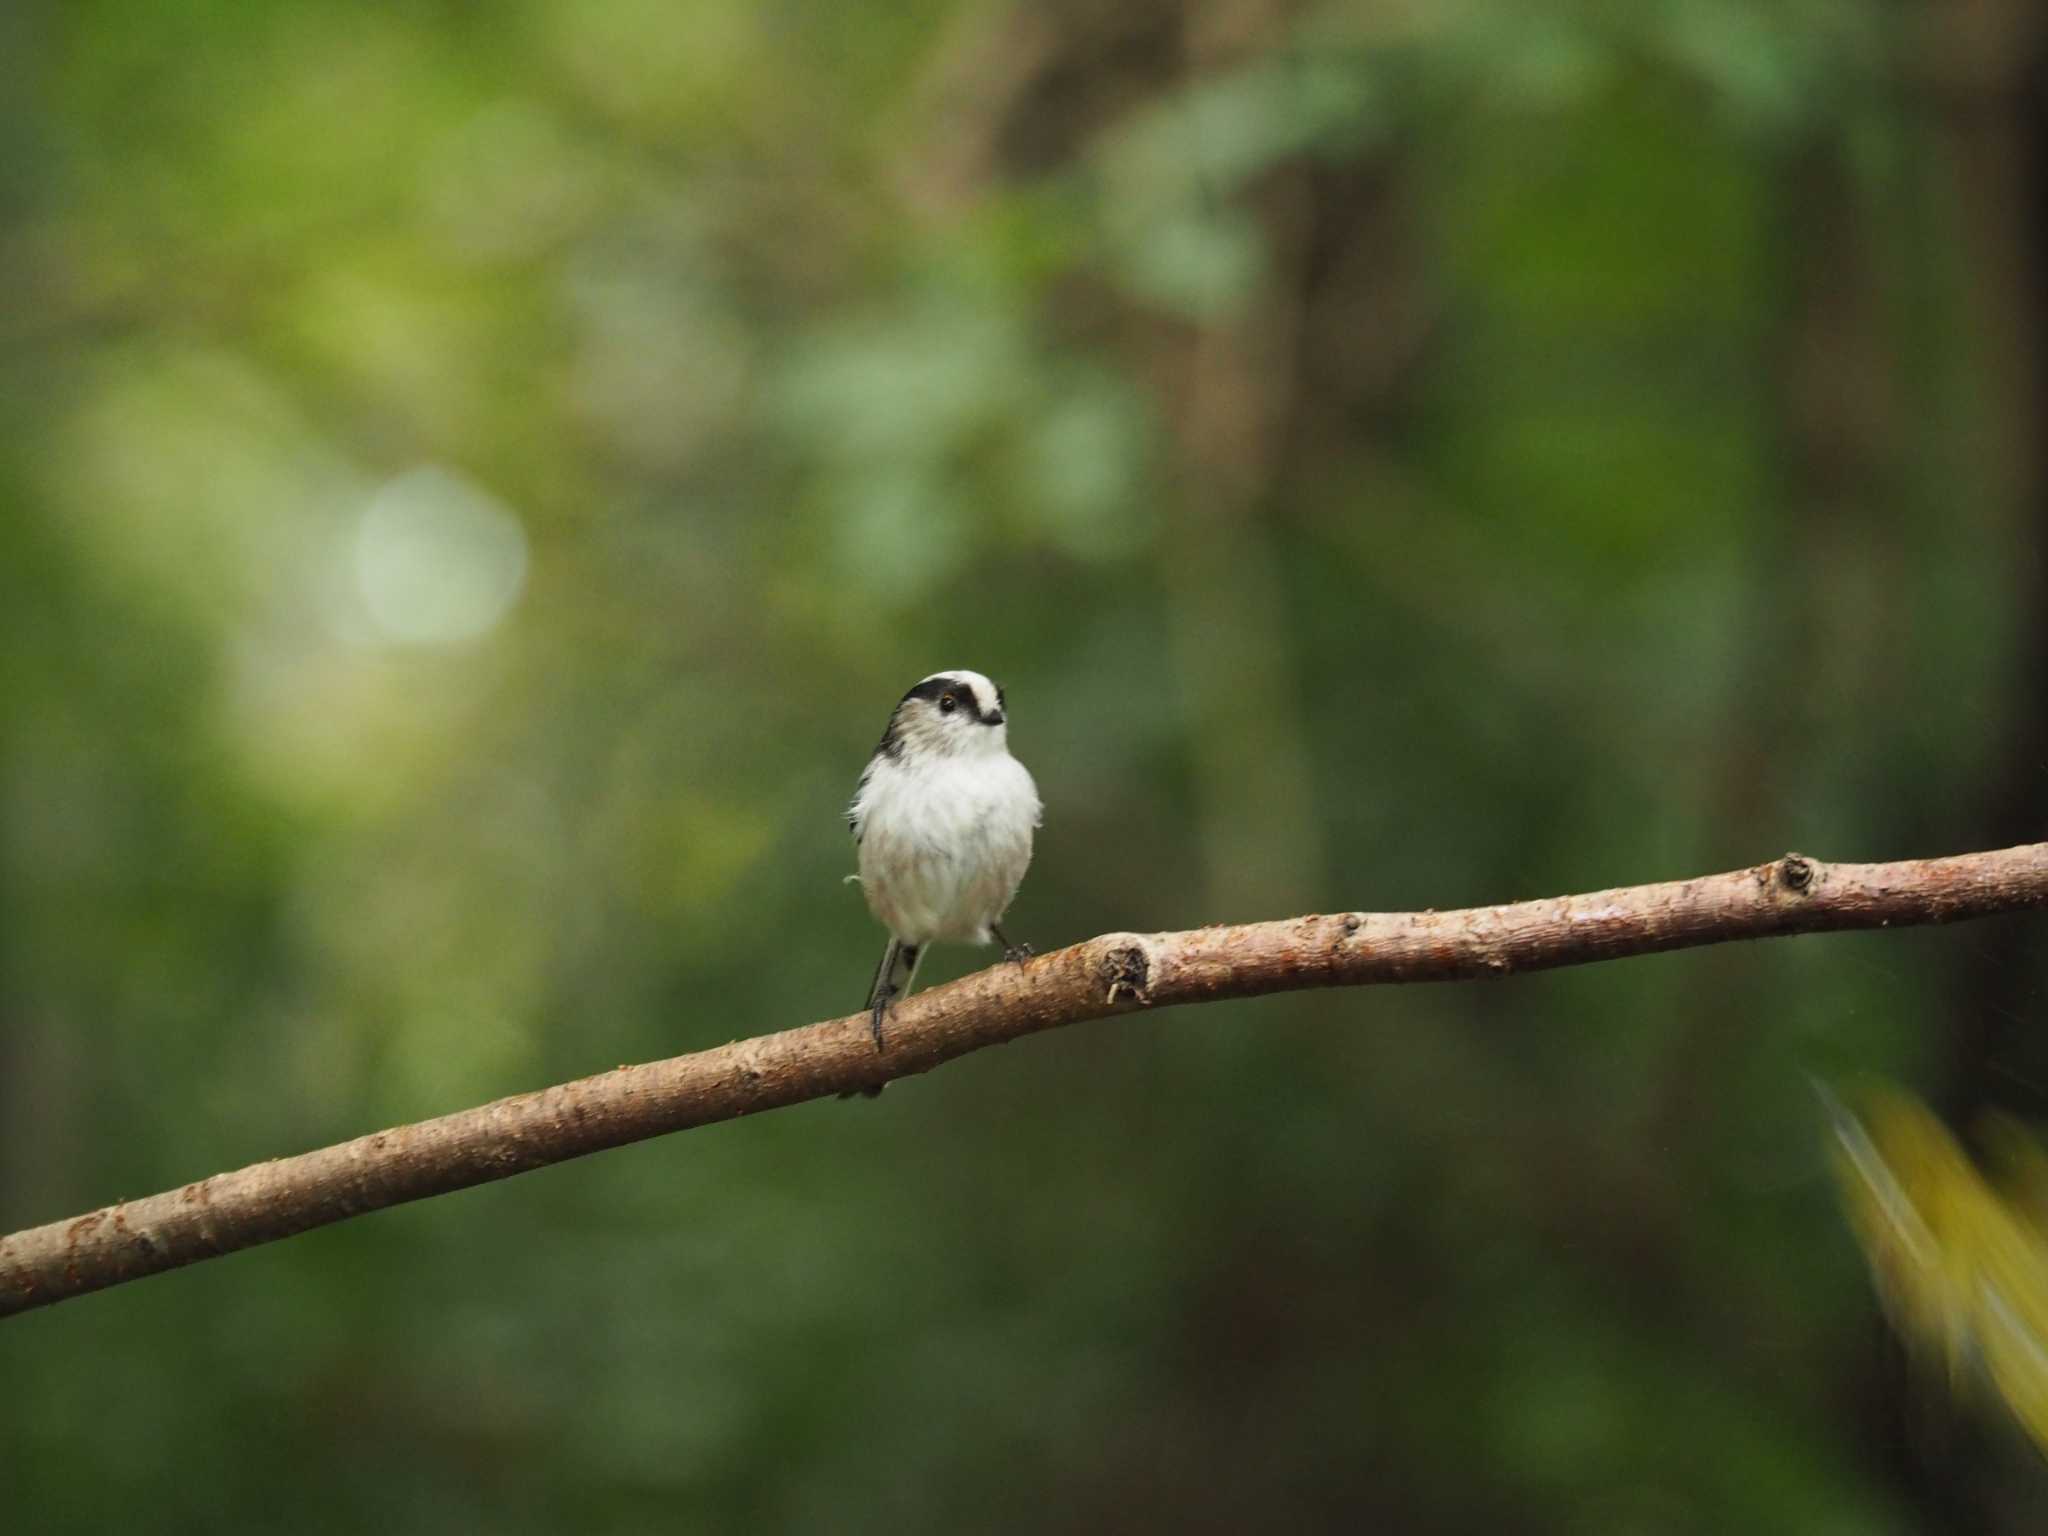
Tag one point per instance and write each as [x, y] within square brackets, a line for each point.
[947, 704]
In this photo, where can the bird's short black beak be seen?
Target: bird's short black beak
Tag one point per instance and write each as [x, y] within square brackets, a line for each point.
[993, 717]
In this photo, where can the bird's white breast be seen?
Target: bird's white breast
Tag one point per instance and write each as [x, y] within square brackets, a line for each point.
[944, 843]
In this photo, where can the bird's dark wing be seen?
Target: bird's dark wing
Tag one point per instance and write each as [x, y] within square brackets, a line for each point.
[854, 819]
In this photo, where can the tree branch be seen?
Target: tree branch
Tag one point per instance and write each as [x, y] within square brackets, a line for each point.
[1117, 973]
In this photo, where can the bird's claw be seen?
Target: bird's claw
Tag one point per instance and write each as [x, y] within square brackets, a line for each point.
[1017, 954]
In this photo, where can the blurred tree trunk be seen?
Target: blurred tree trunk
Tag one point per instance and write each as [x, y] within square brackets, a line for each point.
[1983, 71]
[1990, 127]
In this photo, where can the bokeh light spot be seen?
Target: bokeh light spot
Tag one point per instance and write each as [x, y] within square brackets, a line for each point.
[438, 559]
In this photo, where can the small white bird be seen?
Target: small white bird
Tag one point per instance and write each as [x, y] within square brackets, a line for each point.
[943, 818]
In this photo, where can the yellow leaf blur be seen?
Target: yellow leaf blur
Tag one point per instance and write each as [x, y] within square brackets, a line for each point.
[1961, 1263]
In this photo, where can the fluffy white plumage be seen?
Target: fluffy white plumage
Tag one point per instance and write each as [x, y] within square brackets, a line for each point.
[944, 817]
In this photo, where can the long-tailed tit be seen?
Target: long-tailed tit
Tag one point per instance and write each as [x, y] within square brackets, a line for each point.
[943, 818]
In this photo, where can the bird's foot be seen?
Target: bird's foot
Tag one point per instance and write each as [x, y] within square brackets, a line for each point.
[874, 1027]
[1017, 954]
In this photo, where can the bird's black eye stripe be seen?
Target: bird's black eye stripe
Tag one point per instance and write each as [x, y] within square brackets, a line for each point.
[933, 687]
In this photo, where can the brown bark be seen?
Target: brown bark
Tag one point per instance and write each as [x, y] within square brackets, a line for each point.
[1117, 973]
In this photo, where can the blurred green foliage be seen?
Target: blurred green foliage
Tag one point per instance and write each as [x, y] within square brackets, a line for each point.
[473, 481]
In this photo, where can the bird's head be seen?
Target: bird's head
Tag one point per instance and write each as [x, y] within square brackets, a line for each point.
[952, 713]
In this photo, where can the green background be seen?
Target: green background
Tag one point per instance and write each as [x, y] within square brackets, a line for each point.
[473, 480]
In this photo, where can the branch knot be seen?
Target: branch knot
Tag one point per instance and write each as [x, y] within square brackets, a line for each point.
[1796, 873]
[1125, 973]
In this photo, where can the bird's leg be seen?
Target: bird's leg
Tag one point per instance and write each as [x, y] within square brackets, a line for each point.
[1014, 953]
[887, 989]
